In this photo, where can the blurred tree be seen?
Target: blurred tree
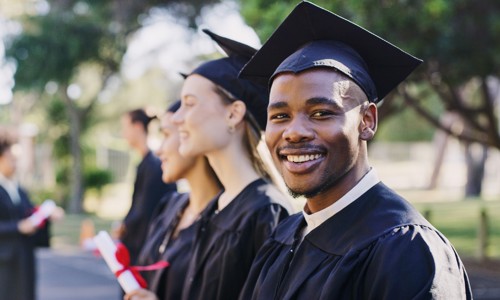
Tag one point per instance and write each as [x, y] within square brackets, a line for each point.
[70, 36]
[460, 44]
[96, 179]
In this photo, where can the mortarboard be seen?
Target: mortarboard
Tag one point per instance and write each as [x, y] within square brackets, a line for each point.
[312, 37]
[224, 72]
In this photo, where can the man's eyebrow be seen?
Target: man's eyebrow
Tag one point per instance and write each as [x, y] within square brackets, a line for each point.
[324, 101]
[309, 102]
[277, 105]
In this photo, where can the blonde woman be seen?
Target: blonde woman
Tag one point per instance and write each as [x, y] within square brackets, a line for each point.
[221, 117]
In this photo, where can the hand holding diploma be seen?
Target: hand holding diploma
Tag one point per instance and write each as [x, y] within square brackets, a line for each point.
[43, 212]
[140, 294]
[48, 209]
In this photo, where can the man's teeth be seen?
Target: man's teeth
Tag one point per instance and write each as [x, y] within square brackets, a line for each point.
[302, 158]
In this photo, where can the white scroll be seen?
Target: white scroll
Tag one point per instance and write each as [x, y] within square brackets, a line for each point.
[108, 249]
[43, 212]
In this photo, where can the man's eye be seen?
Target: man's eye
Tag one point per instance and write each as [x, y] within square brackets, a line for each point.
[321, 114]
[278, 116]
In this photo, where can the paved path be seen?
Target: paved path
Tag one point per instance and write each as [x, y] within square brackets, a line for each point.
[485, 279]
[77, 275]
[74, 275]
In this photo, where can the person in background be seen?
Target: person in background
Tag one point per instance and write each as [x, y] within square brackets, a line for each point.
[148, 186]
[221, 117]
[356, 238]
[18, 234]
[172, 232]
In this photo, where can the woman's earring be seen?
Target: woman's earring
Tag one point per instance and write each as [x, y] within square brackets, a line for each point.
[231, 128]
[367, 134]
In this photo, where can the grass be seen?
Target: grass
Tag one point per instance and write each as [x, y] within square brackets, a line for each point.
[459, 222]
[66, 232]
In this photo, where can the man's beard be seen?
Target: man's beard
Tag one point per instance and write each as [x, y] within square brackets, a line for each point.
[326, 184]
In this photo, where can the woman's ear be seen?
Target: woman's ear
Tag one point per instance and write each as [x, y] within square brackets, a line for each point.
[236, 112]
[369, 121]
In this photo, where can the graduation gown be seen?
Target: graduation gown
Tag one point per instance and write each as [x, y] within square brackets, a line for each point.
[148, 190]
[17, 258]
[161, 245]
[227, 241]
[378, 247]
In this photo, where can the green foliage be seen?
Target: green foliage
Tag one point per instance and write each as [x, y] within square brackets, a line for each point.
[459, 36]
[57, 123]
[51, 48]
[264, 16]
[407, 125]
[96, 178]
[459, 222]
[40, 195]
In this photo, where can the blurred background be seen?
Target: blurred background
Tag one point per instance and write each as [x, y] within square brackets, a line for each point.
[69, 69]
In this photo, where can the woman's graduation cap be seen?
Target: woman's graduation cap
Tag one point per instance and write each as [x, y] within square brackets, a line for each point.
[312, 37]
[224, 72]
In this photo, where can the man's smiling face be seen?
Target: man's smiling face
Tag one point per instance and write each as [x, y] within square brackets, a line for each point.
[313, 130]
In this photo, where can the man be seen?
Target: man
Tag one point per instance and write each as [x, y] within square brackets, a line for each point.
[18, 234]
[356, 238]
[149, 188]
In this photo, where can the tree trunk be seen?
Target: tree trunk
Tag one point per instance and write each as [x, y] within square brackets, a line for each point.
[76, 173]
[475, 158]
[450, 120]
[76, 180]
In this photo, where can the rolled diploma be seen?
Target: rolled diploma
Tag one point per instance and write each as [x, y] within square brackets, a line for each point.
[108, 251]
[44, 211]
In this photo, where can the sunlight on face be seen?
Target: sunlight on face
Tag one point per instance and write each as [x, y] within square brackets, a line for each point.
[201, 118]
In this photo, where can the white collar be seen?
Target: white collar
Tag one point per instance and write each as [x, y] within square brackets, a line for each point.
[11, 187]
[314, 220]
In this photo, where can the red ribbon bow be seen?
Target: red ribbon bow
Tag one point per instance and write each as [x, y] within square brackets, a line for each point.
[123, 257]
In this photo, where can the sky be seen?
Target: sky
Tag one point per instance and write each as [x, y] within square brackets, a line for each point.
[166, 43]
[162, 42]
[6, 69]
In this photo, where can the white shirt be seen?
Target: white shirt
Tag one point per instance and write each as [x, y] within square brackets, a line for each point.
[314, 220]
[11, 187]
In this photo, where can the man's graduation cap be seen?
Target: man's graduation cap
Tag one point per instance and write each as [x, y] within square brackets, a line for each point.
[313, 37]
[224, 72]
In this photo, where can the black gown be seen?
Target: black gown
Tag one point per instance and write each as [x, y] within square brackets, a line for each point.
[17, 257]
[161, 245]
[378, 247]
[148, 190]
[227, 241]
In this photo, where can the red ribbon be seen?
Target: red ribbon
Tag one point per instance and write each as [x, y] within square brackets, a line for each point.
[123, 257]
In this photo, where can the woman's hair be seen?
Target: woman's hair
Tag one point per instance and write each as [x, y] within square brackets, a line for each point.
[140, 116]
[6, 141]
[173, 107]
[252, 135]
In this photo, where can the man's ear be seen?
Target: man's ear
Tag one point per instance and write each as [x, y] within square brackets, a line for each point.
[369, 121]
[236, 112]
